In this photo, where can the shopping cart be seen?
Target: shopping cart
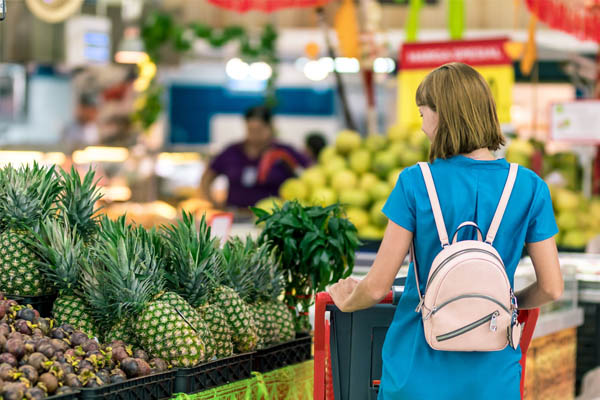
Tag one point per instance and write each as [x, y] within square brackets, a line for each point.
[348, 347]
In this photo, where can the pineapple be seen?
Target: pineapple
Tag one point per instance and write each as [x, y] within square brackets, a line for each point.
[192, 258]
[62, 254]
[126, 286]
[77, 201]
[254, 273]
[27, 197]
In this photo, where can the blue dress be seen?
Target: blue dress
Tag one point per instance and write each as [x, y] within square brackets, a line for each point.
[468, 190]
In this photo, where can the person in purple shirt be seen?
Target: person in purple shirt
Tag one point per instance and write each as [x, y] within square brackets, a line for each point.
[256, 167]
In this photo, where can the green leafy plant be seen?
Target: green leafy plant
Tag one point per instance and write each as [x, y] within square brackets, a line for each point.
[316, 246]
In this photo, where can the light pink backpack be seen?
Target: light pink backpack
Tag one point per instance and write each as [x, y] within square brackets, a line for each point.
[468, 304]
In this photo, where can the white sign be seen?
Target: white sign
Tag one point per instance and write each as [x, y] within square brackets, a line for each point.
[576, 121]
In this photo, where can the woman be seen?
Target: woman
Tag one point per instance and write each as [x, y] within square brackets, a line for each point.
[459, 118]
[256, 167]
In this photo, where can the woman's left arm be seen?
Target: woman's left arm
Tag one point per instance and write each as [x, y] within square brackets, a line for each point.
[351, 295]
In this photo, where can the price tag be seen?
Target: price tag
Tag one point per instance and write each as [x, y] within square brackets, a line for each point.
[576, 121]
[220, 225]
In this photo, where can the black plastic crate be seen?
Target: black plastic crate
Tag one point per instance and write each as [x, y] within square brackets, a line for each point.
[284, 354]
[153, 387]
[588, 342]
[67, 396]
[214, 373]
[43, 304]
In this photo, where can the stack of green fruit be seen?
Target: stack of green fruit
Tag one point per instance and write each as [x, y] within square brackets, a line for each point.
[358, 173]
[577, 217]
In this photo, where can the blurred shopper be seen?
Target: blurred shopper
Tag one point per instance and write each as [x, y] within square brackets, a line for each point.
[459, 118]
[255, 167]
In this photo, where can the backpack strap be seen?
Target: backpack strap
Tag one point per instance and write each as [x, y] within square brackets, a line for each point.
[435, 204]
[508, 187]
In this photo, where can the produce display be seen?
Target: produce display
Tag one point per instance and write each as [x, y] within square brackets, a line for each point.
[358, 173]
[41, 358]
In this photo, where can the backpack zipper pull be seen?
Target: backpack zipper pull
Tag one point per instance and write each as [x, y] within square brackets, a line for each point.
[418, 309]
[493, 322]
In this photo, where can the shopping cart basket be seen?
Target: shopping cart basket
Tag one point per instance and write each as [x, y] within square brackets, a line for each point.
[348, 347]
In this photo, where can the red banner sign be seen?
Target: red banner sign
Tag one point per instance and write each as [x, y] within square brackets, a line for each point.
[473, 52]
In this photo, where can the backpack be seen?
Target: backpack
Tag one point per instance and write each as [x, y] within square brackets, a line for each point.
[468, 303]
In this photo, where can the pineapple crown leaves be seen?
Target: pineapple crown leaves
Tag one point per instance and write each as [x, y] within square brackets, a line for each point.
[78, 199]
[61, 253]
[28, 195]
[127, 273]
[193, 259]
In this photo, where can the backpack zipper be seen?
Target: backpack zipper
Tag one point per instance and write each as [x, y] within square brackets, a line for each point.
[465, 296]
[447, 260]
[491, 318]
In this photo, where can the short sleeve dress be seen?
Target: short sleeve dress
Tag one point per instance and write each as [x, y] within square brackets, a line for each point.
[468, 190]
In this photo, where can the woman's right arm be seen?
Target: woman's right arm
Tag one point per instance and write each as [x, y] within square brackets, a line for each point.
[205, 183]
[549, 281]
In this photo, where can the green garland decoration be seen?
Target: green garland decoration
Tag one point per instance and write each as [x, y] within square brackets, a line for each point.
[160, 30]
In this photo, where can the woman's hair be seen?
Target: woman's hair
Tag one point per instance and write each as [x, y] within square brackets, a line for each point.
[465, 108]
[259, 112]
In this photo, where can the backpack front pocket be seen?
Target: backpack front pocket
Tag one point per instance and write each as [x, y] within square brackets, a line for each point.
[491, 318]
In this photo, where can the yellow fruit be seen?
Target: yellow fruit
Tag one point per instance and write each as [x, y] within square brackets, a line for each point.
[367, 180]
[326, 154]
[566, 200]
[396, 132]
[375, 143]
[343, 180]
[354, 198]
[323, 196]
[347, 141]
[377, 217]
[380, 190]
[384, 162]
[360, 161]
[293, 189]
[314, 177]
[358, 217]
[370, 232]
[567, 220]
[268, 204]
[334, 165]
[520, 151]
[393, 176]
[574, 239]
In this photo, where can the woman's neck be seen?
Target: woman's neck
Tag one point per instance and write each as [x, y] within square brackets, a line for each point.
[480, 154]
[255, 151]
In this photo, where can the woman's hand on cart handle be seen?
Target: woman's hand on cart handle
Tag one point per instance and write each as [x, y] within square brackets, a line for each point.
[341, 291]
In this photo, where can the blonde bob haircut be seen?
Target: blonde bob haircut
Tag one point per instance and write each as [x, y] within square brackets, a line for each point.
[466, 111]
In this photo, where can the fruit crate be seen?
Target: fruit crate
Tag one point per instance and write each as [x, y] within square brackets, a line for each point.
[153, 387]
[214, 373]
[43, 304]
[284, 354]
[67, 396]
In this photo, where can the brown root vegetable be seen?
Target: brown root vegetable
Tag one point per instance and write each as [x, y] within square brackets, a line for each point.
[78, 338]
[37, 361]
[117, 376]
[30, 373]
[64, 390]
[47, 350]
[4, 329]
[72, 380]
[58, 333]
[70, 353]
[49, 381]
[35, 393]
[15, 335]
[158, 365]
[26, 314]
[59, 345]
[15, 347]
[3, 341]
[119, 354]
[3, 309]
[13, 391]
[7, 373]
[143, 366]
[85, 365]
[8, 358]
[130, 367]
[90, 345]
[117, 343]
[104, 376]
[22, 326]
[139, 353]
[68, 328]
[67, 368]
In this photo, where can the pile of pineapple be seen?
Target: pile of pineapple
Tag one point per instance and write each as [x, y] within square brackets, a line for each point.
[358, 173]
[172, 291]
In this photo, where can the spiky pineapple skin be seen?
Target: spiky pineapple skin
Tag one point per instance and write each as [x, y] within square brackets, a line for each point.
[165, 334]
[19, 274]
[216, 321]
[192, 316]
[284, 319]
[73, 311]
[121, 330]
[268, 329]
[239, 317]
